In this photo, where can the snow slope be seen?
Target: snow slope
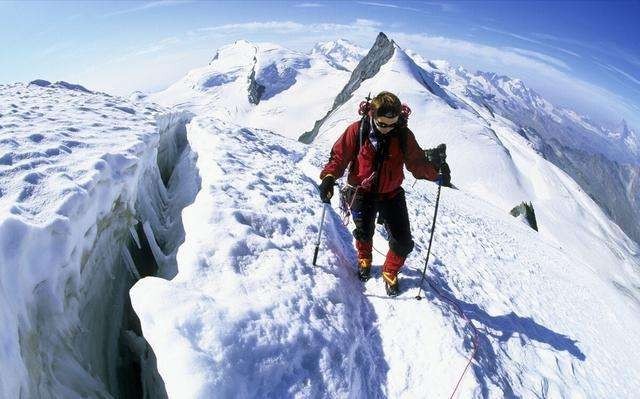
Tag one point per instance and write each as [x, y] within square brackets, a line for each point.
[511, 98]
[491, 160]
[80, 181]
[603, 162]
[248, 316]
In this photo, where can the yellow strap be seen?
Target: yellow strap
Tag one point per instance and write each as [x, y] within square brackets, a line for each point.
[389, 278]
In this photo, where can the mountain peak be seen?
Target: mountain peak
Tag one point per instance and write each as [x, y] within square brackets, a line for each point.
[341, 54]
[379, 54]
[238, 47]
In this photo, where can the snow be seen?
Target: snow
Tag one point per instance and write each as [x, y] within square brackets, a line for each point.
[524, 106]
[214, 204]
[73, 165]
[248, 315]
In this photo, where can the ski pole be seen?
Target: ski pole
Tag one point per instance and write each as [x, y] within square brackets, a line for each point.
[433, 227]
[315, 253]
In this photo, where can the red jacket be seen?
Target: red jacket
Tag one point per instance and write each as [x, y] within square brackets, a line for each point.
[362, 165]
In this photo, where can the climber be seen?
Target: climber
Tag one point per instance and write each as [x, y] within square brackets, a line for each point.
[377, 148]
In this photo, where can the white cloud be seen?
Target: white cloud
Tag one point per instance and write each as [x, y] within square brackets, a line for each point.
[158, 46]
[309, 5]
[530, 40]
[55, 48]
[447, 6]
[620, 72]
[272, 26]
[289, 27]
[540, 57]
[461, 48]
[387, 5]
[610, 49]
[367, 23]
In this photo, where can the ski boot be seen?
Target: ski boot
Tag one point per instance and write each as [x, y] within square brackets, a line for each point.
[364, 269]
[391, 283]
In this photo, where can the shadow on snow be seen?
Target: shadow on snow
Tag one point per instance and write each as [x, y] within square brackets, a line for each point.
[369, 367]
[488, 367]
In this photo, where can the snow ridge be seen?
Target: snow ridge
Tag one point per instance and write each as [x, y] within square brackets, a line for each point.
[381, 52]
[266, 322]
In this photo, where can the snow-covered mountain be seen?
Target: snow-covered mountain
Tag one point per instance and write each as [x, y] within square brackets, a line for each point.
[210, 207]
[605, 162]
[258, 85]
[340, 53]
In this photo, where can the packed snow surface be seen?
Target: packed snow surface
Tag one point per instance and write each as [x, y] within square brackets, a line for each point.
[249, 316]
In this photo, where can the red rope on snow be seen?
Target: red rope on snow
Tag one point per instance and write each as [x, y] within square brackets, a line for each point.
[446, 299]
[465, 318]
[473, 328]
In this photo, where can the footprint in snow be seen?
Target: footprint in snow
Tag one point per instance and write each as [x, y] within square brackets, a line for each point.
[36, 137]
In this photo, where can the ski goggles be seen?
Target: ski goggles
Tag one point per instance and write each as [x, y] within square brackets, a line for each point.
[382, 125]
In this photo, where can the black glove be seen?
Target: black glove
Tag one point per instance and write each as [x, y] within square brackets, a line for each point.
[445, 175]
[437, 156]
[326, 189]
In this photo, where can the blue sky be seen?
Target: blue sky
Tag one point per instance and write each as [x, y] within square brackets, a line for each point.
[585, 55]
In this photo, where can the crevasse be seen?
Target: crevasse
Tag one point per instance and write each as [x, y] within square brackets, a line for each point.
[70, 330]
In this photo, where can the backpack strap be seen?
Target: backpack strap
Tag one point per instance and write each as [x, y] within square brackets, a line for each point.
[364, 129]
[402, 136]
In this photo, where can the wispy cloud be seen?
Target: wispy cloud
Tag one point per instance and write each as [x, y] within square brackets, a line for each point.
[272, 26]
[610, 49]
[472, 50]
[530, 40]
[158, 46]
[540, 57]
[619, 72]
[56, 48]
[147, 6]
[308, 5]
[387, 5]
[287, 27]
[444, 6]
[74, 17]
